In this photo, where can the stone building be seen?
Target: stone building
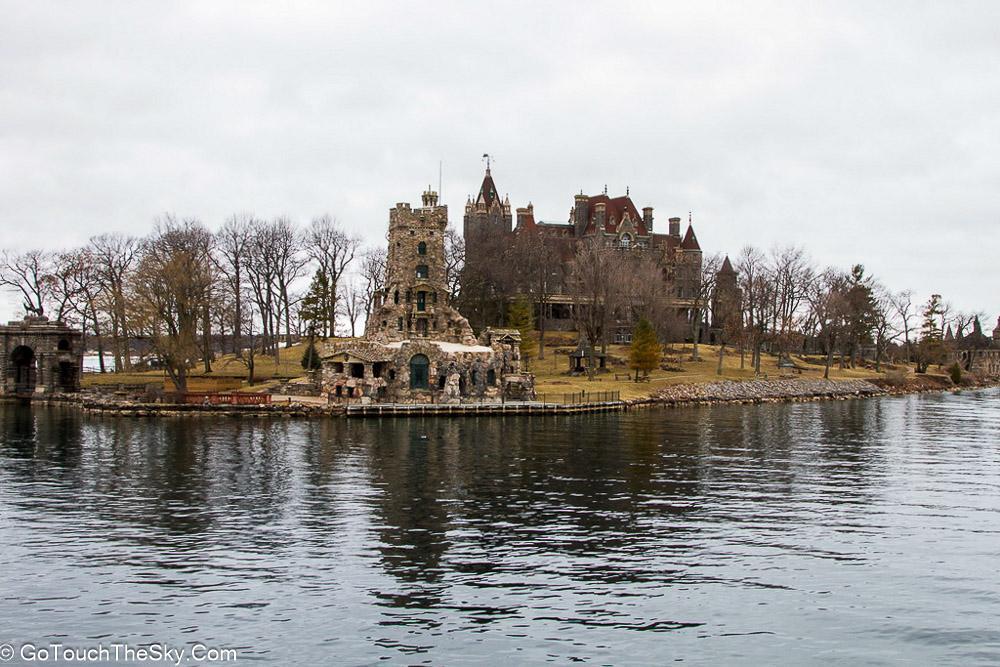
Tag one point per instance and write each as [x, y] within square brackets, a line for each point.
[40, 358]
[978, 353]
[417, 347]
[727, 304]
[488, 226]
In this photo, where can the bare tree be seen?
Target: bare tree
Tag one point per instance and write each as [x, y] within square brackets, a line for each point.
[333, 250]
[700, 292]
[373, 273]
[884, 325]
[115, 256]
[596, 277]
[454, 262]
[232, 253]
[352, 301]
[28, 274]
[172, 290]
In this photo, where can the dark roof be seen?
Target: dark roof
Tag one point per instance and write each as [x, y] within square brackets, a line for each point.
[727, 266]
[487, 191]
[690, 241]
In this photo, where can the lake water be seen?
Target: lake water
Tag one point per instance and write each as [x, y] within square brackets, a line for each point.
[857, 532]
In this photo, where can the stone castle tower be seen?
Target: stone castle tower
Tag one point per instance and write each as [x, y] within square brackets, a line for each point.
[416, 303]
[487, 217]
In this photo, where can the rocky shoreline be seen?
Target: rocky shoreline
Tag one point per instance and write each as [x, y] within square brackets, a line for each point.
[765, 391]
[792, 390]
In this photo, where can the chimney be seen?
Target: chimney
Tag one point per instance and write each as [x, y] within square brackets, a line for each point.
[600, 214]
[675, 227]
[647, 219]
[581, 213]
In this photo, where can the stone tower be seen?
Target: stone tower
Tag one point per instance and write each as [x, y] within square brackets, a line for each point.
[415, 303]
[487, 219]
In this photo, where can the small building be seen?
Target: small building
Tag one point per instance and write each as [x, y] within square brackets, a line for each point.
[417, 347]
[579, 359]
[40, 357]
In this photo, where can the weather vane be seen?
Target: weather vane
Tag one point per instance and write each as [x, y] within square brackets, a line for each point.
[486, 158]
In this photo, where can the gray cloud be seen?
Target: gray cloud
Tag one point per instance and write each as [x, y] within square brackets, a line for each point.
[867, 133]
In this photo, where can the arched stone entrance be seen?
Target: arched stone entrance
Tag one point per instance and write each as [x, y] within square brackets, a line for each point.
[23, 369]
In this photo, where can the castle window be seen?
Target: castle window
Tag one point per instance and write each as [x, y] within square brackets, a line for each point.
[421, 271]
[434, 297]
[422, 248]
[625, 242]
[399, 324]
[421, 301]
[475, 378]
[63, 344]
[357, 370]
[395, 297]
[491, 377]
[419, 367]
[377, 369]
[442, 379]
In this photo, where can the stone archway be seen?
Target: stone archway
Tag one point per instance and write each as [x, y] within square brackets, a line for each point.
[24, 370]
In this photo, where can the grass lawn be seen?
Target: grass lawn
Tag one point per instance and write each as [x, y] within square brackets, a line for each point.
[228, 373]
[551, 377]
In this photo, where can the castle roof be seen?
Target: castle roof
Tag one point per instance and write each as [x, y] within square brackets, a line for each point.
[487, 191]
[615, 209]
[690, 241]
[727, 266]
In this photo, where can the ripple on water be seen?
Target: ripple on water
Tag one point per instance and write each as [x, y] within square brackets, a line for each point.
[858, 531]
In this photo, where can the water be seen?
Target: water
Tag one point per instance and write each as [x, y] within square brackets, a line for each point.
[860, 532]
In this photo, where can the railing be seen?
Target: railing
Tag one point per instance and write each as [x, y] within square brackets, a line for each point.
[210, 398]
[580, 397]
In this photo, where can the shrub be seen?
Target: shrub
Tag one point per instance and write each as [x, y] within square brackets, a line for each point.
[955, 373]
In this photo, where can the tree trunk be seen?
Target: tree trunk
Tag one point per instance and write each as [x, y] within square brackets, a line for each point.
[541, 329]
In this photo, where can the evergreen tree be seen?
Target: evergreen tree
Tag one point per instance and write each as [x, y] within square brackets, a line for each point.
[931, 348]
[520, 317]
[644, 355]
[315, 308]
[310, 357]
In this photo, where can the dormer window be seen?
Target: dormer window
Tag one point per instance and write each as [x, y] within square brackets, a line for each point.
[421, 248]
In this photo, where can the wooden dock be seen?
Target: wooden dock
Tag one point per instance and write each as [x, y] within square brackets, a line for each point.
[470, 409]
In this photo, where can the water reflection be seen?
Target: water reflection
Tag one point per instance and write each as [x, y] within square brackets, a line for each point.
[765, 533]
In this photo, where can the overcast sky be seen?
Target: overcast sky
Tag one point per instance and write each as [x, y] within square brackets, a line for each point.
[865, 132]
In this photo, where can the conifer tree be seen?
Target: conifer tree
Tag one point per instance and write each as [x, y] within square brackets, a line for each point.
[520, 317]
[644, 355]
[310, 357]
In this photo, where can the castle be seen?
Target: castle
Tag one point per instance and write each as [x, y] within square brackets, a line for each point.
[417, 347]
[489, 227]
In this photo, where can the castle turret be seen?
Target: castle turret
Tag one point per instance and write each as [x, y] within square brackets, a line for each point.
[415, 303]
[647, 219]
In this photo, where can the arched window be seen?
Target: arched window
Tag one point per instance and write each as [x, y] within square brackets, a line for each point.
[626, 241]
[63, 344]
[421, 248]
[419, 370]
